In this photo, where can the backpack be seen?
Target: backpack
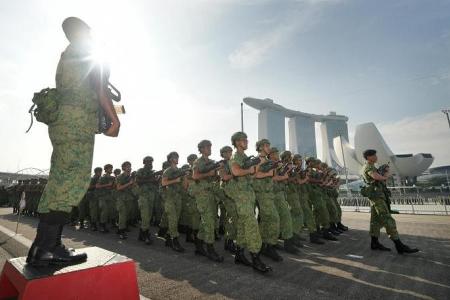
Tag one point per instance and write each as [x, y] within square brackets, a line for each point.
[45, 106]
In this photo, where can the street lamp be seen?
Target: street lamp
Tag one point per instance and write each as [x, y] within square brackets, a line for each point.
[446, 112]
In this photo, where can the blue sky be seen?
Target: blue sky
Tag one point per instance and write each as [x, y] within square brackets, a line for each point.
[184, 66]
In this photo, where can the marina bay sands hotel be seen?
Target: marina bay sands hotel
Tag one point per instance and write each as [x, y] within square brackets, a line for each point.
[302, 134]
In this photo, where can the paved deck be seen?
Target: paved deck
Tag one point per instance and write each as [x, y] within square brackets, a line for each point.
[344, 269]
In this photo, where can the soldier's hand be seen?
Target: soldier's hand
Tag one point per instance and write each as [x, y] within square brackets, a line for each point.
[113, 131]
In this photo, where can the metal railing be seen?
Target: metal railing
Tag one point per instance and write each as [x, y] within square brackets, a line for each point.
[409, 204]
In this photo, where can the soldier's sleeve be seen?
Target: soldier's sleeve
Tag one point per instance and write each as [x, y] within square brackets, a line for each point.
[167, 172]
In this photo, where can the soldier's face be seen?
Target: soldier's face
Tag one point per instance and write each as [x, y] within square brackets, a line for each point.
[174, 160]
[206, 150]
[266, 149]
[372, 159]
[127, 168]
[227, 155]
[108, 171]
[242, 143]
[148, 164]
[274, 156]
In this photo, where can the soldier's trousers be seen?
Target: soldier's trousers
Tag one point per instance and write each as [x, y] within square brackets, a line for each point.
[296, 211]
[228, 210]
[94, 208]
[104, 205]
[158, 208]
[285, 215]
[248, 235]
[269, 220]
[184, 215]
[320, 210]
[83, 208]
[123, 207]
[146, 201]
[332, 209]
[380, 217]
[207, 208]
[308, 216]
[70, 170]
[192, 214]
[339, 209]
[172, 210]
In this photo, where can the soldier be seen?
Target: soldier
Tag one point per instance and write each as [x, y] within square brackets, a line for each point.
[172, 193]
[325, 191]
[147, 181]
[104, 188]
[192, 214]
[124, 196]
[379, 212]
[113, 204]
[269, 220]
[241, 191]
[204, 172]
[81, 88]
[230, 214]
[92, 198]
[280, 180]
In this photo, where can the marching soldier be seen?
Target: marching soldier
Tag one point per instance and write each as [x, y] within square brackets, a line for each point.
[93, 199]
[124, 196]
[104, 188]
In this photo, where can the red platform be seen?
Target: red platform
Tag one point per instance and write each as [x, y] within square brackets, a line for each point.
[105, 275]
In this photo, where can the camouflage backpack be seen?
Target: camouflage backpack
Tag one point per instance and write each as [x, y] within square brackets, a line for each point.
[45, 106]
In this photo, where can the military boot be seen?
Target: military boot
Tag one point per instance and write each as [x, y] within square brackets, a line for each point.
[229, 246]
[174, 244]
[315, 239]
[402, 248]
[189, 235]
[103, 228]
[327, 235]
[212, 254]
[258, 265]
[240, 258]
[269, 251]
[297, 241]
[376, 245]
[162, 231]
[82, 224]
[148, 240]
[94, 226]
[199, 250]
[342, 226]
[141, 235]
[122, 234]
[289, 247]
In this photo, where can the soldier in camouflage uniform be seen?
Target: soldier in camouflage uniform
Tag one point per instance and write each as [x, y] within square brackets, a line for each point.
[148, 187]
[204, 173]
[113, 204]
[192, 214]
[269, 220]
[379, 212]
[241, 191]
[104, 187]
[92, 197]
[229, 211]
[172, 191]
[325, 192]
[124, 196]
[81, 90]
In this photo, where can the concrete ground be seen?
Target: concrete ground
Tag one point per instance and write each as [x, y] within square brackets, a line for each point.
[346, 269]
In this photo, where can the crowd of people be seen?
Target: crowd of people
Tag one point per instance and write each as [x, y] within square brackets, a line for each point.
[260, 203]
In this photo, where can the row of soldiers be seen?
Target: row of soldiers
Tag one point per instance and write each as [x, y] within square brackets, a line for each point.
[32, 188]
[254, 201]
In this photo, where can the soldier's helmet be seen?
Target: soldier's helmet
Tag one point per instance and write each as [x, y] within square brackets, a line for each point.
[117, 171]
[261, 143]
[286, 155]
[203, 143]
[297, 157]
[147, 159]
[225, 149]
[107, 166]
[72, 25]
[98, 169]
[310, 160]
[237, 136]
[192, 157]
[171, 155]
[274, 150]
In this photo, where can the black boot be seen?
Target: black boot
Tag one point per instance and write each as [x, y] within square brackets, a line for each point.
[297, 241]
[269, 251]
[189, 235]
[333, 230]
[376, 245]
[315, 239]
[174, 244]
[122, 234]
[148, 240]
[328, 236]
[258, 265]
[240, 258]
[229, 246]
[141, 235]
[103, 228]
[162, 231]
[212, 254]
[94, 226]
[221, 230]
[289, 247]
[216, 235]
[82, 224]
[402, 248]
[342, 226]
[199, 250]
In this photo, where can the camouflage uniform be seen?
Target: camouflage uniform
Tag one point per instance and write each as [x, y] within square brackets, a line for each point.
[72, 135]
[230, 214]
[286, 229]
[172, 195]
[241, 191]
[308, 216]
[105, 198]
[147, 195]
[123, 200]
[93, 201]
[379, 212]
[293, 198]
[320, 210]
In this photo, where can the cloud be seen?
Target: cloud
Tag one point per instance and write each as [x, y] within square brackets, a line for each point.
[254, 51]
[429, 133]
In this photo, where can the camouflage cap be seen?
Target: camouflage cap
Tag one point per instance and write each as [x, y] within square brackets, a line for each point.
[117, 171]
[98, 169]
[107, 166]
[147, 159]
[309, 159]
[203, 143]
[225, 149]
[71, 25]
[126, 163]
[172, 154]
[297, 157]
[238, 136]
[261, 143]
[285, 155]
[274, 150]
[192, 157]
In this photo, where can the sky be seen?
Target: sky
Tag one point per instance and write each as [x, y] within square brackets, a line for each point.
[183, 68]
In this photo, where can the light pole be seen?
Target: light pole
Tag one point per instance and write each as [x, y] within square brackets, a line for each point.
[242, 117]
[446, 112]
[345, 165]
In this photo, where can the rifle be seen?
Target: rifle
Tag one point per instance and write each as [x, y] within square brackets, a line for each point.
[268, 166]
[382, 170]
[251, 161]
[179, 173]
[211, 166]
